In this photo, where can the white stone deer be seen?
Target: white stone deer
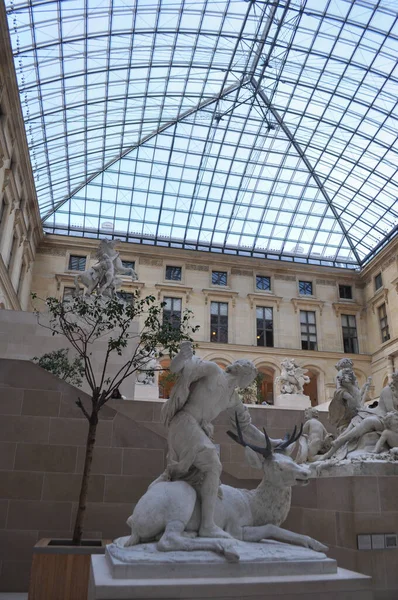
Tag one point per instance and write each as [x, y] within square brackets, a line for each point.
[171, 510]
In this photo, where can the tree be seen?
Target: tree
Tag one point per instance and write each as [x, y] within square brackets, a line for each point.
[58, 363]
[85, 320]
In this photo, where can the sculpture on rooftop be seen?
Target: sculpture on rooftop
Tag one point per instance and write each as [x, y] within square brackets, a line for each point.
[104, 277]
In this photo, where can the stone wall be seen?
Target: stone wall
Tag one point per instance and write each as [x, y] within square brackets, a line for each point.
[42, 438]
[23, 338]
[336, 509]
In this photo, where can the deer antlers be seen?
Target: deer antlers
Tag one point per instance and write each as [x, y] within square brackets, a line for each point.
[268, 450]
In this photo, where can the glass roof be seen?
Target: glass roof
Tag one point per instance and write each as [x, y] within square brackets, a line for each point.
[256, 128]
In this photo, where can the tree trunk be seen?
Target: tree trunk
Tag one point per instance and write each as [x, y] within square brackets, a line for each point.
[81, 511]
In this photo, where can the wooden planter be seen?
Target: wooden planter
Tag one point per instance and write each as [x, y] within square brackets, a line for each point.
[61, 571]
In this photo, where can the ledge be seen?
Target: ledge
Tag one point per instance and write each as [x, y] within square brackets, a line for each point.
[270, 298]
[307, 303]
[222, 293]
[70, 278]
[380, 296]
[349, 307]
[173, 287]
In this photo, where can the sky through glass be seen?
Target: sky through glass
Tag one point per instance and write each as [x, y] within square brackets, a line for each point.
[259, 128]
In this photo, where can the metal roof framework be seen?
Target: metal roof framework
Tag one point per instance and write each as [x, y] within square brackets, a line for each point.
[260, 128]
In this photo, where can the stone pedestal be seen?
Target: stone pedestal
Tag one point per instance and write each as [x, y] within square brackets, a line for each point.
[292, 401]
[265, 570]
[145, 392]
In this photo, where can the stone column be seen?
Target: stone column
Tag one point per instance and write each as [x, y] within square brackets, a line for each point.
[390, 367]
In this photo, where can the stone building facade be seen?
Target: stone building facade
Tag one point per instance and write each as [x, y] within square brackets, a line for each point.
[237, 302]
[20, 226]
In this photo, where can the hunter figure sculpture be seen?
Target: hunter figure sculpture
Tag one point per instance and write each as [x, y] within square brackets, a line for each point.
[186, 508]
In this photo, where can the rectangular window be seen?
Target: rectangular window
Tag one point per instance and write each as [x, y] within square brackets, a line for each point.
[378, 281]
[385, 334]
[308, 330]
[77, 263]
[172, 311]
[263, 283]
[68, 293]
[173, 273]
[350, 336]
[22, 274]
[305, 288]
[126, 296]
[219, 277]
[345, 292]
[219, 322]
[128, 264]
[12, 251]
[265, 327]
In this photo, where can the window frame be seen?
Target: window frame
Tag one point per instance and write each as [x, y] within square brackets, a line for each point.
[378, 277]
[222, 285]
[72, 256]
[216, 338]
[304, 294]
[171, 318]
[265, 329]
[385, 327]
[344, 286]
[131, 264]
[173, 278]
[260, 289]
[349, 338]
[308, 333]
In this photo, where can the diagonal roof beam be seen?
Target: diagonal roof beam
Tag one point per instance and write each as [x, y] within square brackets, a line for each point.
[146, 138]
[255, 85]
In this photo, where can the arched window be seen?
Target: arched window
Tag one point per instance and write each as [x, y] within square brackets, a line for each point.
[265, 385]
[311, 388]
[167, 379]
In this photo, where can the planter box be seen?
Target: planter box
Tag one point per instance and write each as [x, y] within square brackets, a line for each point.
[60, 571]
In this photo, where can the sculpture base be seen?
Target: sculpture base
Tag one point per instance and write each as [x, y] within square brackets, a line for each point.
[264, 558]
[327, 586]
[146, 392]
[292, 401]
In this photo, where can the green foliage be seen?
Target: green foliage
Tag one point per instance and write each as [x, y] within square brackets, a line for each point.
[58, 363]
[85, 320]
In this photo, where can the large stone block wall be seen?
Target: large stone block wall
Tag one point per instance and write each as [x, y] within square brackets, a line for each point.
[42, 439]
[23, 338]
[336, 509]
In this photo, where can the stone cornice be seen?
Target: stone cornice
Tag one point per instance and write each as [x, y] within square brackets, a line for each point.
[221, 294]
[348, 307]
[173, 288]
[208, 262]
[69, 278]
[310, 303]
[379, 297]
[264, 299]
